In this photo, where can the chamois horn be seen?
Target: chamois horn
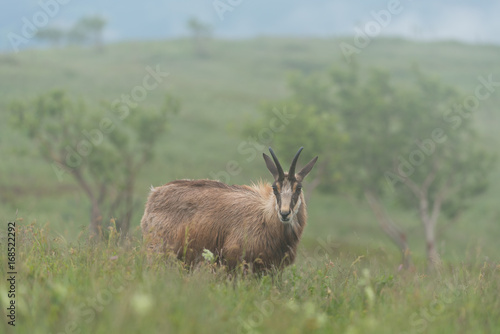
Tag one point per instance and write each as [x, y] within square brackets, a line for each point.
[291, 172]
[281, 174]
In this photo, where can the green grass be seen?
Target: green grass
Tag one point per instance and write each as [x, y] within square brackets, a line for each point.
[75, 287]
[60, 271]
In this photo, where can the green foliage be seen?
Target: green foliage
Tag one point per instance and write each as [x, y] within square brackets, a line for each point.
[92, 24]
[312, 125]
[377, 138]
[458, 165]
[102, 149]
[53, 35]
[371, 117]
[208, 256]
[198, 28]
[376, 135]
[88, 29]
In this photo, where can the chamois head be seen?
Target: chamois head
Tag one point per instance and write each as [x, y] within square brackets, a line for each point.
[287, 187]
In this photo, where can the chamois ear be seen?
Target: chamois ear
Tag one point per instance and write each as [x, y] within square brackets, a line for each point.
[307, 168]
[271, 166]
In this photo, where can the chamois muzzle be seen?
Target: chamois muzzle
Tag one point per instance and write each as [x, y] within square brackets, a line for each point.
[285, 216]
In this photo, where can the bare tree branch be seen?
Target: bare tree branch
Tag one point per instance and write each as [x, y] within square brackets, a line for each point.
[388, 226]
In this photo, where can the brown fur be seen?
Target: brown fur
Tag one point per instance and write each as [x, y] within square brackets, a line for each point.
[236, 223]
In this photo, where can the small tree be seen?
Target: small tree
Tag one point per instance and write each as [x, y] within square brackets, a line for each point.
[442, 166]
[200, 33]
[391, 140]
[52, 35]
[76, 35]
[89, 29]
[103, 154]
[371, 115]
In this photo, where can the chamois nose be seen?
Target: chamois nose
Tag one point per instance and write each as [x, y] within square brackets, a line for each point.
[285, 214]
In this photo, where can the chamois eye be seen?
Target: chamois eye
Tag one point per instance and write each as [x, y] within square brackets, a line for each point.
[275, 188]
[299, 188]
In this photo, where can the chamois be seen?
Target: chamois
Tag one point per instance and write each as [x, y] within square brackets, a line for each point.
[259, 225]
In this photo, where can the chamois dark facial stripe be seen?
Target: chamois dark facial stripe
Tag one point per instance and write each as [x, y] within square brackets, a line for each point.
[287, 194]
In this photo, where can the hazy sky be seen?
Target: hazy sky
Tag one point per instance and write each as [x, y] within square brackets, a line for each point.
[469, 21]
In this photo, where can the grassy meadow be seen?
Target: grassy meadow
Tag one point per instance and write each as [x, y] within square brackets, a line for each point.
[346, 277]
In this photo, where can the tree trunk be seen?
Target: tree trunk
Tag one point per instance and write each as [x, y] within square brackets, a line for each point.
[388, 226]
[429, 224]
[95, 211]
[129, 207]
[433, 258]
[95, 218]
[429, 216]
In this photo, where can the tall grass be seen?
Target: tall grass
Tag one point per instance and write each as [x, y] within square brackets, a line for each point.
[112, 287]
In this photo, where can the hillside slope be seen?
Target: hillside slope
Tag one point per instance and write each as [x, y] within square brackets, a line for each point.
[220, 93]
